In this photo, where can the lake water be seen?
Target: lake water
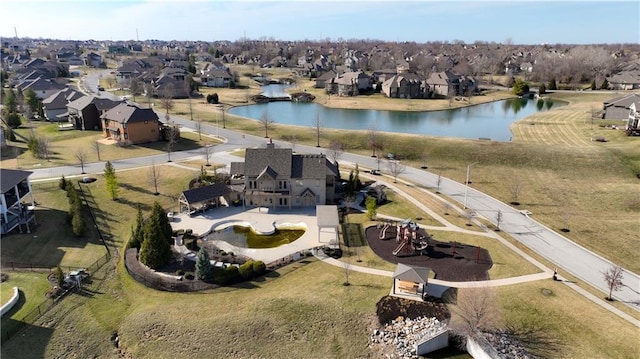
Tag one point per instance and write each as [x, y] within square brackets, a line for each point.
[488, 121]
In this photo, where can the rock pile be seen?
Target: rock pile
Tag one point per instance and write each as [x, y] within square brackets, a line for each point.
[506, 345]
[401, 335]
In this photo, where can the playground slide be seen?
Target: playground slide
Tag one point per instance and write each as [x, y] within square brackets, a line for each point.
[400, 247]
[383, 232]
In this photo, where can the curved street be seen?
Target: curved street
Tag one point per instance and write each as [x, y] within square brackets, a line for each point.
[562, 252]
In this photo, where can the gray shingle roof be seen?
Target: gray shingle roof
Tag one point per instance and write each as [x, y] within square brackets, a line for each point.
[206, 193]
[126, 113]
[256, 159]
[10, 178]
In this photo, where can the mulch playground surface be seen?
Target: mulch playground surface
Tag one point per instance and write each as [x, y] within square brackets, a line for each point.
[450, 261]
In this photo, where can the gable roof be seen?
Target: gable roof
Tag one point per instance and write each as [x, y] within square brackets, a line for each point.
[101, 104]
[411, 273]
[61, 98]
[126, 113]
[10, 178]
[206, 193]
[256, 159]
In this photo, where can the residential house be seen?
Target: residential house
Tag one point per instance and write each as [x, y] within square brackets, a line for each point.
[129, 124]
[55, 106]
[349, 84]
[172, 82]
[92, 59]
[405, 85]
[322, 80]
[275, 177]
[618, 108]
[132, 69]
[380, 76]
[633, 122]
[447, 83]
[85, 112]
[68, 57]
[626, 80]
[213, 77]
[16, 200]
[43, 88]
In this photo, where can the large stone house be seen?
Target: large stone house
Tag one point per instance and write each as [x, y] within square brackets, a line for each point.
[276, 177]
[129, 124]
[349, 84]
[405, 85]
[16, 200]
[447, 83]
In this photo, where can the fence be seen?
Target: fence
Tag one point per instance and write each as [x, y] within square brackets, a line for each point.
[45, 306]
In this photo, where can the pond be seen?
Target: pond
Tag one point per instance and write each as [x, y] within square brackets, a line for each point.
[246, 237]
[485, 121]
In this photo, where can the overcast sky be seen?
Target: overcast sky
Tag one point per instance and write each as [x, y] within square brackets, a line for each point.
[522, 22]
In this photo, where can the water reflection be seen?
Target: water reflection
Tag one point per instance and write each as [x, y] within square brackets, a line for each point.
[489, 120]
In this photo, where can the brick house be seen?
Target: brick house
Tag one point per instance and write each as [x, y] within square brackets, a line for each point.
[129, 124]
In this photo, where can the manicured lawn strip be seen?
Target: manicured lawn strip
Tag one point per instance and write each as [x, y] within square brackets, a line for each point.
[52, 242]
[397, 206]
[569, 318]
[32, 288]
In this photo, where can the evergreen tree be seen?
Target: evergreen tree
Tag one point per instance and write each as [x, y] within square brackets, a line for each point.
[543, 89]
[593, 85]
[520, 87]
[371, 204]
[59, 274]
[155, 250]
[77, 223]
[32, 100]
[137, 232]
[111, 180]
[13, 120]
[356, 178]
[605, 85]
[204, 271]
[10, 102]
[552, 85]
[159, 214]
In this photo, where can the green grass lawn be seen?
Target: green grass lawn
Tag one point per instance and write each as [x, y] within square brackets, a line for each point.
[32, 289]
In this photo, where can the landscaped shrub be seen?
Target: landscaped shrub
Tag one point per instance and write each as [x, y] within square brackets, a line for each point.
[59, 276]
[189, 276]
[180, 272]
[224, 276]
[259, 268]
[246, 270]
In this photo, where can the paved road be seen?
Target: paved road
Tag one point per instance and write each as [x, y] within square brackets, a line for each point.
[565, 254]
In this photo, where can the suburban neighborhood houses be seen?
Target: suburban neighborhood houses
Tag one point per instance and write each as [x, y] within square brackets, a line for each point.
[150, 211]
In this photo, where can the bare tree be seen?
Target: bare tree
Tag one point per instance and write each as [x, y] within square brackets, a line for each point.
[476, 310]
[499, 218]
[44, 148]
[207, 150]
[613, 277]
[266, 122]
[97, 149]
[516, 188]
[346, 266]
[134, 88]
[468, 215]
[336, 149]
[425, 156]
[396, 169]
[166, 98]
[438, 183]
[374, 139]
[446, 207]
[317, 123]
[154, 177]
[199, 128]
[81, 156]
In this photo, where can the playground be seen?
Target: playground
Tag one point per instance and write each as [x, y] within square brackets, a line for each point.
[406, 242]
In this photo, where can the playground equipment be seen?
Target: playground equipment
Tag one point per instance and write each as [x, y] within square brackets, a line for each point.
[383, 231]
[410, 243]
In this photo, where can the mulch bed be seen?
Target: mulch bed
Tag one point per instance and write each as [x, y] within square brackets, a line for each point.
[466, 263]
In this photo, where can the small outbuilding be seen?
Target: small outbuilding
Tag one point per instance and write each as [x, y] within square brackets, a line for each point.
[409, 279]
[201, 198]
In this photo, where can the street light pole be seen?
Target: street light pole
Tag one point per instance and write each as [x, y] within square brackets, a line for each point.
[466, 184]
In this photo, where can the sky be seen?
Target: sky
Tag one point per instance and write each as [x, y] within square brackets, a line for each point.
[519, 22]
